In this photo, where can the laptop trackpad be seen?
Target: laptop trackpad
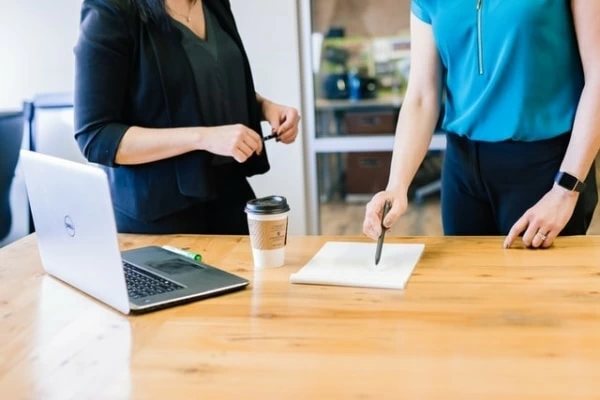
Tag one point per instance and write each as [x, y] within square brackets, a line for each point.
[174, 266]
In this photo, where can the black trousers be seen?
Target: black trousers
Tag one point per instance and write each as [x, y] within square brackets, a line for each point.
[487, 187]
[5, 217]
[224, 216]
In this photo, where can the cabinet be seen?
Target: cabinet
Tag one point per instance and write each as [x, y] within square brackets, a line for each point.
[354, 139]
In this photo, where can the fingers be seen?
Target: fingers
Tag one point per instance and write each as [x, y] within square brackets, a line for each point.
[245, 143]
[550, 237]
[288, 136]
[243, 151]
[515, 231]
[536, 232]
[374, 211]
[275, 124]
[370, 229]
[530, 234]
[371, 224]
[395, 211]
[290, 119]
[253, 140]
[544, 236]
[539, 237]
[288, 130]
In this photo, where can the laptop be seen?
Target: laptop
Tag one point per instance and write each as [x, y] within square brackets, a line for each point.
[77, 237]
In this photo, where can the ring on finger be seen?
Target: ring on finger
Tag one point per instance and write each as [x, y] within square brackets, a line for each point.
[541, 235]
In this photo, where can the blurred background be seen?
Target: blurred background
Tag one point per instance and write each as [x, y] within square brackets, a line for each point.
[360, 54]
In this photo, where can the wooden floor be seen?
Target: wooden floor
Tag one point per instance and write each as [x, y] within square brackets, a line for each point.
[340, 218]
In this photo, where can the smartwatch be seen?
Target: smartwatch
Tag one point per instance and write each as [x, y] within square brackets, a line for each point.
[569, 182]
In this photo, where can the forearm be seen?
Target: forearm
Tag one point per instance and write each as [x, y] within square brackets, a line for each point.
[416, 124]
[585, 138]
[144, 145]
[262, 101]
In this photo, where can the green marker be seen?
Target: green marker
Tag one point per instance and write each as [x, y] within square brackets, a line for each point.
[185, 253]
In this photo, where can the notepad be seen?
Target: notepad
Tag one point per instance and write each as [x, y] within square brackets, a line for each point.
[353, 264]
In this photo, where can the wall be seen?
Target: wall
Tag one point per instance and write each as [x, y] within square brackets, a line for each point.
[37, 39]
[269, 29]
[362, 17]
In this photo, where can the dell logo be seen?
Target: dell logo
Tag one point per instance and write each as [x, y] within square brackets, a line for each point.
[69, 226]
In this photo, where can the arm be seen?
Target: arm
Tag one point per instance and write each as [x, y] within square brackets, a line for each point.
[416, 123]
[585, 138]
[144, 145]
[102, 61]
[420, 109]
[542, 223]
[262, 102]
[103, 57]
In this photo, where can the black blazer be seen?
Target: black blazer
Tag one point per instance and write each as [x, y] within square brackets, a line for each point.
[134, 72]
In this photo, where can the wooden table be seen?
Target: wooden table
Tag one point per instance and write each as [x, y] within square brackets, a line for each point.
[475, 322]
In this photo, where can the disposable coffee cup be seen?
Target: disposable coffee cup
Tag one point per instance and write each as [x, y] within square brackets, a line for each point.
[267, 224]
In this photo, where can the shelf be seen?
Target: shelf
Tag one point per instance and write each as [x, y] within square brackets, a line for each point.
[384, 101]
[349, 144]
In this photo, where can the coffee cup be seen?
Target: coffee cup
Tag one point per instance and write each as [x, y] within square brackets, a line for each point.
[267, 224]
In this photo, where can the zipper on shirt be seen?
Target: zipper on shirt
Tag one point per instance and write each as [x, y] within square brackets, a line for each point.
[479, 41]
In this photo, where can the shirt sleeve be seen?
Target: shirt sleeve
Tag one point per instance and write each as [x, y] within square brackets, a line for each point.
[102, 64]
[420, 10]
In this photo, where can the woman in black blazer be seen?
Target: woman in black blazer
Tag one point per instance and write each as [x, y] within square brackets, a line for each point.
[165, 102]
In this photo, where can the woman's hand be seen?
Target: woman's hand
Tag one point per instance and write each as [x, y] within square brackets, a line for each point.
[237, 141]
[284, 120]
[374, 210]
[543, 222]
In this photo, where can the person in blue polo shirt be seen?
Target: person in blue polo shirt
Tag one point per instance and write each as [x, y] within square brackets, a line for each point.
[520, 82]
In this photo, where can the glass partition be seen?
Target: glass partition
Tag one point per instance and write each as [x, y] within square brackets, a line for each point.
[355, 71]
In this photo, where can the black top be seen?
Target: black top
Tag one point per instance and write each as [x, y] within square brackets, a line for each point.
[218, 68]
[132, 72]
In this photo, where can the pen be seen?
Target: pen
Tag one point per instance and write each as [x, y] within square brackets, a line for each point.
[386, 209]
[185, 253]
[273, 136]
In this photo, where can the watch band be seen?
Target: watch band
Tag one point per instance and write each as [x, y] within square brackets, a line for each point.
[569, 182]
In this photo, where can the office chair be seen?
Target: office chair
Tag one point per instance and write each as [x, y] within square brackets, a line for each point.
[11, 136]
[51, 126]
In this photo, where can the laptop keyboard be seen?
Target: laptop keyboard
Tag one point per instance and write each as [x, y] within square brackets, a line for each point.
[143, 284]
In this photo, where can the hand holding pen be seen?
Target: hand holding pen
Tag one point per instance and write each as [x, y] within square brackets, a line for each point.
[374, 220]
[386, 209]
[284, 122]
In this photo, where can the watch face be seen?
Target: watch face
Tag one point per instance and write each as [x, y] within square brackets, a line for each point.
[569, 182]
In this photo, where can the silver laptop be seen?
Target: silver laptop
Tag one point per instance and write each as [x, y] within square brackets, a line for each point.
[77, 238]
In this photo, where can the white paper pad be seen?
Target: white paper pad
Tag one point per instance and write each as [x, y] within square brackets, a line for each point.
[353, 264]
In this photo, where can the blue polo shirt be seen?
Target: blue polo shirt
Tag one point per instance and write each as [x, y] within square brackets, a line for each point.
[512, 68]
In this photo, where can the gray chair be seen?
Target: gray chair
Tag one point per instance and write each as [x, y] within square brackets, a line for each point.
[51, 126]
[11, 137]
[46, 126]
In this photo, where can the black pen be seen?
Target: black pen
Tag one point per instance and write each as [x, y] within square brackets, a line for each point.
[386, 209]
[273, 136]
